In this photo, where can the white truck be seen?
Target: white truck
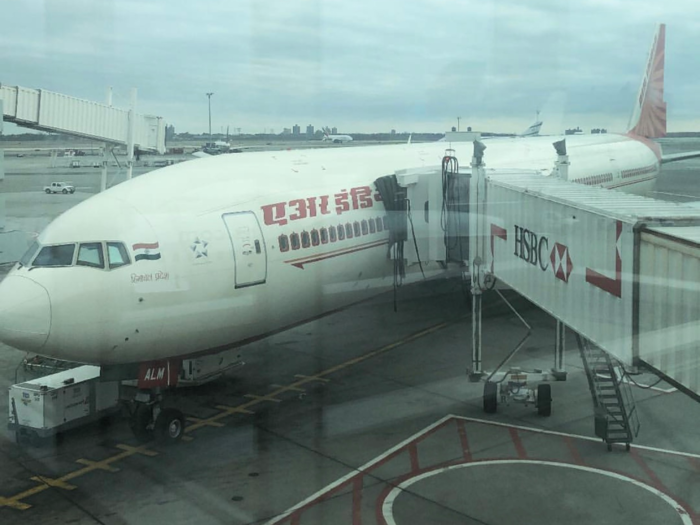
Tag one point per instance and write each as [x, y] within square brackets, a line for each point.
[59, 187]
[44, 407]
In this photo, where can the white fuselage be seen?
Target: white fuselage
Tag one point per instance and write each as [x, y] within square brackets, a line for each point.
[242, 246]
[338, 138]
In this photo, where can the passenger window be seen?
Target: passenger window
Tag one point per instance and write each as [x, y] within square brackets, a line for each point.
[315, 238]
[284, 243]
[324, 236]
[365, 227]
[117, 254]
[305, 239]
[59, 255]
[332, 233]
[341, 232]
[90, 254]
[294, 239]
[348, 230]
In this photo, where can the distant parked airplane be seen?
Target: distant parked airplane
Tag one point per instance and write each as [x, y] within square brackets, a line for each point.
[336, 139]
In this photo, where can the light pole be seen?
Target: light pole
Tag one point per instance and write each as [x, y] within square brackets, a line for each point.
[209, 97]
[458, 119]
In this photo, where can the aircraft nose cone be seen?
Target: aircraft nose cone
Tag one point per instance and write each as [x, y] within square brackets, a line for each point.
[25, 313]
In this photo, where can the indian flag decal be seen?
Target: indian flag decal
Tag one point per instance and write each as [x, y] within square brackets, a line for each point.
[148, 251]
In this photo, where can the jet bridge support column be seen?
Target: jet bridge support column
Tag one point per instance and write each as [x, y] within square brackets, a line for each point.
[106, 152]
[130, 137]
[477, 196]
[559, 371]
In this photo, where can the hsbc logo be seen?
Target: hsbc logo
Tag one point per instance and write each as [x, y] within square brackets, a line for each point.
[533, 248]
[561, 262]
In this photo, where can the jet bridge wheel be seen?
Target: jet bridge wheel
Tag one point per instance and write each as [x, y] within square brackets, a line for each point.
[170, 426]
[490, 397]
[544, 400]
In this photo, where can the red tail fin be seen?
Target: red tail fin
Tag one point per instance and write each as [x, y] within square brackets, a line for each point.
[649, 115]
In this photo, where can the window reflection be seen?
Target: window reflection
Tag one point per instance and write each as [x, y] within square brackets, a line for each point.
[90, 254]
[59, 255]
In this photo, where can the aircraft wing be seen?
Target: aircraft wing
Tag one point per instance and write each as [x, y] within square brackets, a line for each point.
[673, 157]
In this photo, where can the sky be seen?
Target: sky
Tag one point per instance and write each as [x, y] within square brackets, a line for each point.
[361, 66]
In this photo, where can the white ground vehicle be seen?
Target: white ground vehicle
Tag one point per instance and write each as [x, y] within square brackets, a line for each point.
[47, 406]
[59, 187]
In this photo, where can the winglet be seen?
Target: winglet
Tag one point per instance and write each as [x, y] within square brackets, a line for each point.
[649, 115]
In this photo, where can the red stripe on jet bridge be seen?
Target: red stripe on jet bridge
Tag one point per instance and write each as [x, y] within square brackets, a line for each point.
[145, 246]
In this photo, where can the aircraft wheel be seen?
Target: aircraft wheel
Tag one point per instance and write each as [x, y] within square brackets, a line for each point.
[139, 422]
[490, 397]
[170, 426]
[47, 191]
[544, 400]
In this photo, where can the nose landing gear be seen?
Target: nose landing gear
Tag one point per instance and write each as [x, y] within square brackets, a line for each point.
[149, 420]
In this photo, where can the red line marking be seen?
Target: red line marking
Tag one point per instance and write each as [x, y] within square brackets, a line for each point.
[357, 501]
[295, 518]
[462, 429]
[519, 448]
[611, 285]
[647, 470]
[301, 263]
[634, 181]
[574, 451]
[695, 463]
[658, 484]
[413, 454]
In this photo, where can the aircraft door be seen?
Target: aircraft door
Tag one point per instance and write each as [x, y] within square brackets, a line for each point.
[249, 253]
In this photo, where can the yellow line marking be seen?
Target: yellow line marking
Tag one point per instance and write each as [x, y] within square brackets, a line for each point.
[12, 502]
[206, 422]
[58, 483]
[290, 387]
[268, 397]
[143, 450]
[213, 421]
[234, 410]
[311, 378]
[101, 465]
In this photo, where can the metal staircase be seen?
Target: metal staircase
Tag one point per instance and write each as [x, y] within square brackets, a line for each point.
[616, 418]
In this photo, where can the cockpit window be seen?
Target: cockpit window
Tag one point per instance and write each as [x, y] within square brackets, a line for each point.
[117, 254]
[90, 254]
[59, 255]
[29, 254]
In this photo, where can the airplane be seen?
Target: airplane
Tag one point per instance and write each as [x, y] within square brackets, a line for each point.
[209, 255]
[336, 139]
[534, 129]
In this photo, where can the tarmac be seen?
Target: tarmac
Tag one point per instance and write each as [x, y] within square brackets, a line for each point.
[365, 416]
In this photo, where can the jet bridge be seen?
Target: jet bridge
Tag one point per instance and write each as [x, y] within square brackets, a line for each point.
[44, 110]
[622, 271]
